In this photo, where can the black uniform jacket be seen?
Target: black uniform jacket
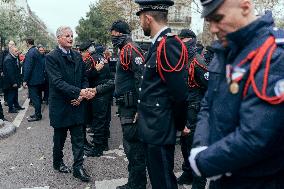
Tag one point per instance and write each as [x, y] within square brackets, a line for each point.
[127, 80]
[11, 72]
[66, 79]
[102, 79]
[162, 104]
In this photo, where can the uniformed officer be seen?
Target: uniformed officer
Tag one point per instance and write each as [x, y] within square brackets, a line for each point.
[127, 80]
[163, 94]
[100, 80]
[197, 85]
[239, 139]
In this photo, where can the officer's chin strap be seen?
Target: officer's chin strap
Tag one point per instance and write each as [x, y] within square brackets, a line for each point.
[183, 60]
[191, 71]
[89, 57]
[257, 56]
[126, 55]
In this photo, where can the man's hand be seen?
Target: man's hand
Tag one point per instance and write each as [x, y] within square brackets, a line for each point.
[25, 85]
[87, 94]
[77, 102]
[15, 85]
[99, 66]
[185, 131]
[92, 90]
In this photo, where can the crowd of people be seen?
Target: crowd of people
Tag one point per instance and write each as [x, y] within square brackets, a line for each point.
[23, 71]
[212, 95]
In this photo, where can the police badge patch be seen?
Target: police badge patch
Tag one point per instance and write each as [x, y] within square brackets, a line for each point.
[206, 76]
[138, 60]
[279, 88]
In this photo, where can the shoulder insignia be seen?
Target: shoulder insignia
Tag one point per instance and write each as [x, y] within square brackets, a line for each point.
[279, 88]
[206, 76]
[138, 60]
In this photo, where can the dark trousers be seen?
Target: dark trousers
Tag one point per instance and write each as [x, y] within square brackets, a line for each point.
[77, 140]
[5, 92]
[100, 119]
[133, 148]
[12, 98]
[45, 92]
[35, 92]
[186, 144]
[1, 111]
[160, 165]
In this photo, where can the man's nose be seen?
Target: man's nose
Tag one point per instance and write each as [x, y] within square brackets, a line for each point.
[213, 27]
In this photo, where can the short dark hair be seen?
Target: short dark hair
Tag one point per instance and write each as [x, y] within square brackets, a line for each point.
[159, 16]
[30, 40]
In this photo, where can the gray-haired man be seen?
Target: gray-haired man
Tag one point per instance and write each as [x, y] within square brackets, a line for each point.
[68, 83]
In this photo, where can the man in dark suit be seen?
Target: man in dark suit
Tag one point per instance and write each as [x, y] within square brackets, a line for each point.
[162, 104]
[34, 77]
[11, 72]
[67, 87]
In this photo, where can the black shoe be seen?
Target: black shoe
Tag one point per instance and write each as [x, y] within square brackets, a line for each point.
[105, 147]
[62, 168]
[4, 119]
[13, 110]
[32, 116]
[88, 147]
[81, 174]
[36, 118]
[94, 152]
[185, 178]
[125, 186]
[19, 108]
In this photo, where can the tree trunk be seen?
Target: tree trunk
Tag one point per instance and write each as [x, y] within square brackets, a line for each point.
[207, 37]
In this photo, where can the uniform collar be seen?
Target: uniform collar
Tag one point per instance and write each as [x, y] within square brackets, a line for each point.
[245, 35]
[158, 34]
[242, 37]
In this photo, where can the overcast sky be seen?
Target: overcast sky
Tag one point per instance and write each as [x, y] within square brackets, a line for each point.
[55, 13]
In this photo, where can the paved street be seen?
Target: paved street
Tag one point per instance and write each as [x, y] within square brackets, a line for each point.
[26, 157]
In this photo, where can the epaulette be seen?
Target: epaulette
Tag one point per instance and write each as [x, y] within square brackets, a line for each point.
[170, 34]
[278, 34]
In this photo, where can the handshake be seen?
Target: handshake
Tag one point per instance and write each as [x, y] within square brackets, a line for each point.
[87, 93]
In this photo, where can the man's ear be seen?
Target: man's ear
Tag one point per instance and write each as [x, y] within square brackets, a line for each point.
[148, 18]
[246, 6]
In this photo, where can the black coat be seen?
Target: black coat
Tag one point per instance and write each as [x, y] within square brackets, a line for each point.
[11, 72]
[66, 79]
[162, 104]
[34, 68]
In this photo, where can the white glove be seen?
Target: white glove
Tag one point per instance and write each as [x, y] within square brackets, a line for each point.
[193, 154]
